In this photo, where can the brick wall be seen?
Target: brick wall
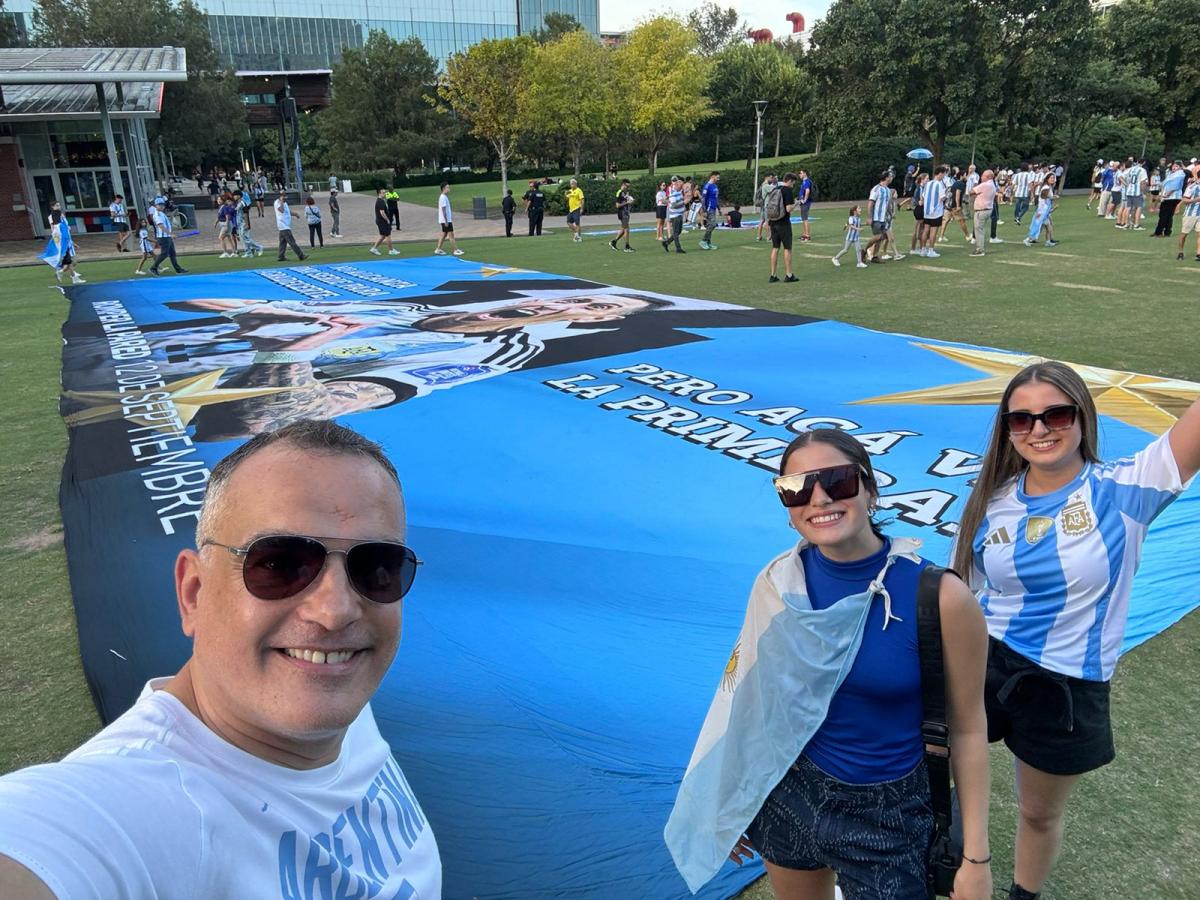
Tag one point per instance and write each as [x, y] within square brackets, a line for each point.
[14, 224]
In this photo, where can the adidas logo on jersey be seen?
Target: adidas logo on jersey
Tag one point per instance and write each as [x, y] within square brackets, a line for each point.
[998, 538]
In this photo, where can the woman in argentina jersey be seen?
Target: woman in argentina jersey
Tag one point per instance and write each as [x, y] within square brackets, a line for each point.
[1051, 538]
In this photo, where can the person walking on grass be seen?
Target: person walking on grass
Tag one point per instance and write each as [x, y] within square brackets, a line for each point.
[120, 219]
[283, 221]
[890, 250]
[983, 199]
[145, 245]
[710, 203]
[676, 207]
[853, 229]
[1135, 196]
[312, 216]
[164, 235]
[446, 220]
[881, 201]
[934, 209]
[253, 247]
[660, 211]
[1190, 207]
[335, 213]
[1042, 220]
[60, 249]
[508, 207]
[1021, 182]
[575, 201]
[778, 210]
[383, 224]
[624, 203]
[760, 200]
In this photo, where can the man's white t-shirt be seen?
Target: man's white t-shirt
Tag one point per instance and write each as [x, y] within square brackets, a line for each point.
[283, 215]
[445, 215]
[158, 806]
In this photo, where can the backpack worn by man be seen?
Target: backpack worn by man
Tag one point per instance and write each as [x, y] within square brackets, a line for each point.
[774, 205]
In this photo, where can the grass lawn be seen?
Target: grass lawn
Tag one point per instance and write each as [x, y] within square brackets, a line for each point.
[461, 194]
[1133, 828]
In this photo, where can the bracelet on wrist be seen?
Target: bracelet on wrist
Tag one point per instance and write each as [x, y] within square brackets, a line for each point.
[979, 862]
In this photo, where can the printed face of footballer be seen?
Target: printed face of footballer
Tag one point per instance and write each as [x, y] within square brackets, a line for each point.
[523, 313]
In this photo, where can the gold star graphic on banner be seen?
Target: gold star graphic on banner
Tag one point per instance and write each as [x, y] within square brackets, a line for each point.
[1143, 401]
[489, 271]
[188, 395]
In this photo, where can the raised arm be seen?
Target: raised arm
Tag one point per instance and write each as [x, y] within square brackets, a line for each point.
[1185, 441]
[965, 645]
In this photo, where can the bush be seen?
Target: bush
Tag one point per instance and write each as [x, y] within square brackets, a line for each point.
[849, 173]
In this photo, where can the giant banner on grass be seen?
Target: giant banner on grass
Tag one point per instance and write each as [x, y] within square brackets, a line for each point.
[587, 470]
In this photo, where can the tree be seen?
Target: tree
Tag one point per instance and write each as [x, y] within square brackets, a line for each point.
[570, 92]
[203, 115]
[381, 115]
[1157, 38]
[483, 85]
[715, 28]
[1008, 56]
[747, 72]
[557, 24]
[665, 81]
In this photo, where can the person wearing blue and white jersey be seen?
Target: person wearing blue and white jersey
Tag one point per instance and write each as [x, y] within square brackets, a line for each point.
[880, 202]
[1108, 182]
[676, 207]
[1050, 539]
[164, 235]
[1021, 183]
[1134, 195]
[934, 204]
[119, 213]
[1173, 182]
[1190, 207]
[833, 781]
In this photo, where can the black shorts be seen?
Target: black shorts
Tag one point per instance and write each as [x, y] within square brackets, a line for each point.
[385, 228]
[1053, 722]
[66, 260]
[447, 228]
[781, 233]
[623, 218]
[660, 212]
[918, 212]
[121, 226]
[934, 223]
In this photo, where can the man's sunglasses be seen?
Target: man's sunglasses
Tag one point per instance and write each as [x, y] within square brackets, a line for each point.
[838, 482]
[282, 565]
[1056, 418]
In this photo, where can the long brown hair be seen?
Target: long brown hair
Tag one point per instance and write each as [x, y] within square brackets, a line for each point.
[1001, 462]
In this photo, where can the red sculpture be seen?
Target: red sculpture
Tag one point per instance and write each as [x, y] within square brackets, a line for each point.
[797, 21]
[761, 35]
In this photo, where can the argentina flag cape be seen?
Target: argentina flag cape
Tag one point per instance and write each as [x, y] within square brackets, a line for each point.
[788, 662]
[59, 245]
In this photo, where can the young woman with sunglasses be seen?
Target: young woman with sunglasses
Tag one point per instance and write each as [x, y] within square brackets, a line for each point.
[1050, 539]
[855, 801]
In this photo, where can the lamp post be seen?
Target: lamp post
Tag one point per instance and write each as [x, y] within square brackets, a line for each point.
[760, 106]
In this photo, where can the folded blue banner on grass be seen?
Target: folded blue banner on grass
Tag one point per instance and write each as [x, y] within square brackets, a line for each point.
[587, 470]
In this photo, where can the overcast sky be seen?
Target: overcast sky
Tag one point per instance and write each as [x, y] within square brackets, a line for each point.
[621, 15]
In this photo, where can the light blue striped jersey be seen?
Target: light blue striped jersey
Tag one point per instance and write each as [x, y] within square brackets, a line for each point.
[1053, 573]
[1133, 181]
[935, 198]
[675, 204]
[1191, 197]
[881, 195]
[1021, 183]
[853, 226]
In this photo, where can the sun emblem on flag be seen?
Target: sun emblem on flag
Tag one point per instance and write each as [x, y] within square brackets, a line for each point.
[729, 679]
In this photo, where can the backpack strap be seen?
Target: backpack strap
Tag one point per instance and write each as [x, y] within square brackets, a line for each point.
[935, 733]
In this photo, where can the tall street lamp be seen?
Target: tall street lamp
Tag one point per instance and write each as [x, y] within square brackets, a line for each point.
[760, 106]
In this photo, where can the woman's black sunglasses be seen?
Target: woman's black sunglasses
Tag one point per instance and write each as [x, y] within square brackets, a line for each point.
[278, 566]
[1055, 418]
[838, 482]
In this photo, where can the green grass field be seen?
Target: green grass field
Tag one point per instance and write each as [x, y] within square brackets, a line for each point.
[461, 194]
[1134, 827]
